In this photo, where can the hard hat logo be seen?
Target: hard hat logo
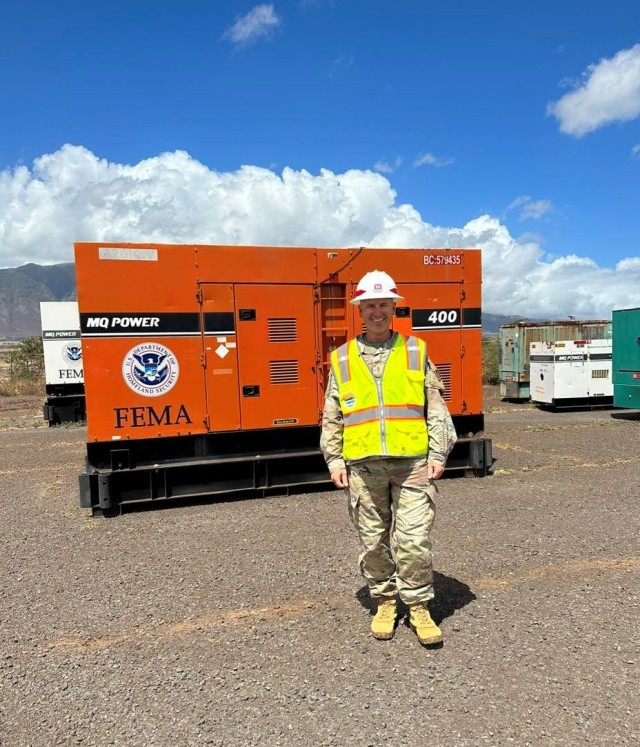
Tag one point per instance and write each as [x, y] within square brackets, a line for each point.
[376, 285]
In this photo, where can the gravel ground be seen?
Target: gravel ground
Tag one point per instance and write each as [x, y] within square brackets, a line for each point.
[246, 623]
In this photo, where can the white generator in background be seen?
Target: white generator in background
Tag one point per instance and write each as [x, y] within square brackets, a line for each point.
[64, 375]
[572, 373]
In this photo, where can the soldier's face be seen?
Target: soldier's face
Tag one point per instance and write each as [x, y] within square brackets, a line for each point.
[377, 317]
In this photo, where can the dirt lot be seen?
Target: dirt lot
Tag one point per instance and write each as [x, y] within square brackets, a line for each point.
[246, 623]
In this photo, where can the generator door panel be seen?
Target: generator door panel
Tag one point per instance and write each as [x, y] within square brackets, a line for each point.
[627, 337]
[276, 355]
[220, 356]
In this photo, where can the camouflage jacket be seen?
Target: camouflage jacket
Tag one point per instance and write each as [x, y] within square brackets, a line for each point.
[442, 433]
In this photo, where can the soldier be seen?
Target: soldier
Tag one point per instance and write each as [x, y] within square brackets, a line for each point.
[386, 435]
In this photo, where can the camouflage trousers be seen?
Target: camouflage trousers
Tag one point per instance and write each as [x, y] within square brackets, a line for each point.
[391, 505]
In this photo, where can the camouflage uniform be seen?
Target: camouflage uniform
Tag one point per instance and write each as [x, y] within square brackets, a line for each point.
[391, 501]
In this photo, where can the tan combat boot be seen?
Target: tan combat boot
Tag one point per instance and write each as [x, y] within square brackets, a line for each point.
[383, 625]
[420, 620]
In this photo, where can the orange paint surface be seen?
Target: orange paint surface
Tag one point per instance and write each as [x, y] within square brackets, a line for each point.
[196, 339]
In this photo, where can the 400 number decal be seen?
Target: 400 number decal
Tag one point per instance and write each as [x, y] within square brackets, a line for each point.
[445, 318]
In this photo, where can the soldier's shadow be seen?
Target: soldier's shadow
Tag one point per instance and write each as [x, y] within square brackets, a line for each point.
[450, 595]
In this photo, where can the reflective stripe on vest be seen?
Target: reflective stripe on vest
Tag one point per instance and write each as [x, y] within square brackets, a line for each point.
[383, 417]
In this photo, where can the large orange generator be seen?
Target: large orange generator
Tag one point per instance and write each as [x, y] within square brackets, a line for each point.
[205, 366]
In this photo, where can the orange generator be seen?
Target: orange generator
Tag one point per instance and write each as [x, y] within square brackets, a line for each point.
[205, 366]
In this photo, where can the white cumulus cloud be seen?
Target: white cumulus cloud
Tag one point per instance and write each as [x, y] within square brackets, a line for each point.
[609, 91]
[72, 195]
[259, 23]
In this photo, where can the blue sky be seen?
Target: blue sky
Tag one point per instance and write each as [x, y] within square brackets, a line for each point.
[511, 123]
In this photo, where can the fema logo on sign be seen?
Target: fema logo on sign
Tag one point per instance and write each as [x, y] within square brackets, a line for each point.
[72, 352]
[150, 369]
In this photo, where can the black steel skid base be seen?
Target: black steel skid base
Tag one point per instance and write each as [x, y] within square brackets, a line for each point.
[577, 403]
[64, 408]
[253, 463]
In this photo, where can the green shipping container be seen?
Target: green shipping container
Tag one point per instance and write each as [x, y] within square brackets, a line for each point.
[626, 358]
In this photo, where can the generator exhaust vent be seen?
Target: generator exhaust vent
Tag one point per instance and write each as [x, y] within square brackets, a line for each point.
[444, 369]
[283, 372]
[283, 330]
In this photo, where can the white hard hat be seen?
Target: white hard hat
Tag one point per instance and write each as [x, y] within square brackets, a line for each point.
[375, 285]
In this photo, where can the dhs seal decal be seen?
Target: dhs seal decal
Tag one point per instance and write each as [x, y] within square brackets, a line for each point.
[72, 352]
[150, 369]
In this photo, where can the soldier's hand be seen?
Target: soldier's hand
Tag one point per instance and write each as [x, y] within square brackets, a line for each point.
[434, 470]
[340, 479]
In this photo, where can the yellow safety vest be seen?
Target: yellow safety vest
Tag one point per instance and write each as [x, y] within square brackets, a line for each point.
[383, 417]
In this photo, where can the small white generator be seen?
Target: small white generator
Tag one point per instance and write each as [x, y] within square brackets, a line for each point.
[571, 373]
[64, 373]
